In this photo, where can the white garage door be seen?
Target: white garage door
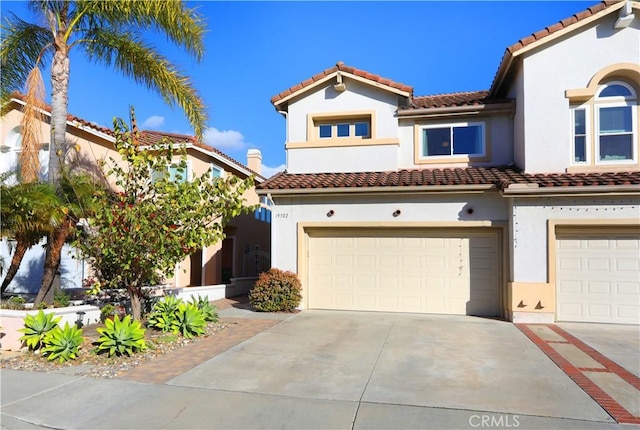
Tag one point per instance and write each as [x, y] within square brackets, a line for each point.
[426, 271]
[598, 278]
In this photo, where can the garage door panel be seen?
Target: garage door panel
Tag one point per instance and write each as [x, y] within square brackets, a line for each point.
[412, 272]
[598, 278]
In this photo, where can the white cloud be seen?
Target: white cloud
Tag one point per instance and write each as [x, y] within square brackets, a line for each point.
[153, 121]
[225, 139]
[268, 172]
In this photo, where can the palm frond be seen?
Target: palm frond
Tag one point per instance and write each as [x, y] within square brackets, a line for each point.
[182, 25]
[140, 61]
[22, 48]
[32, 127]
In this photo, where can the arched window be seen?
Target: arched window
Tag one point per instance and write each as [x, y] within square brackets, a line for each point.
[616, 128]
[13, 147]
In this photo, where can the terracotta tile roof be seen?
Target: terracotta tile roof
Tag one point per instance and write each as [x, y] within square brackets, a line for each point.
[150, 137]
[70, 118]
[547, 31]
[470, 98]
[500, 177]
[343, 68]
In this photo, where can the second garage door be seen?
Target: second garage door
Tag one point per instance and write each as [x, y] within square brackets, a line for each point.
[425, 271]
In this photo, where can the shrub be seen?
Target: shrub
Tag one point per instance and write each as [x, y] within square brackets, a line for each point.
[61, 299]
[107, 311]
[189, 321]
[15, 303]
[62, 344]
[36, 328]
[164, 313]
[209, 311]
[119, 337]
[276, 291]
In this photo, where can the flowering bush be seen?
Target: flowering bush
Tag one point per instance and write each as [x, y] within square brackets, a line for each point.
[276, 291]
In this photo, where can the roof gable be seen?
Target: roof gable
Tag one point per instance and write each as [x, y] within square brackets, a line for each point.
[550, 33]
[337, 72]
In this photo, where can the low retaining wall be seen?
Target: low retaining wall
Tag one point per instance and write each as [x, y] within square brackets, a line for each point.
[240, 286]
[214, 292]
[11, 321]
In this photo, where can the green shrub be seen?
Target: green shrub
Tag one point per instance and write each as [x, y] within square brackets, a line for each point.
[15, 303]
[276, 291]
[62, 344]
[61, 299]
[36, 328]
[189, 321]
[209, 311]
[164, 313]
[107, 311]
[119, 337]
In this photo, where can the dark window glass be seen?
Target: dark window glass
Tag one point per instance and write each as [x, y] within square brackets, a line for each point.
[325, 130]
[436, 141]
[616, 91]
[362, 129]
[343, 130]
[467, 140]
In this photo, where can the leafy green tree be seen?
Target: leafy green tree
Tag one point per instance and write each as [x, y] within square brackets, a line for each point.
[154, 221]
[109, 33]
[28, 212]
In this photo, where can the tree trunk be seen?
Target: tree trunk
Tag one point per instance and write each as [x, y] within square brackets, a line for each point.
[135, 295]
[21, 248]
[59, 106]
[55, 242]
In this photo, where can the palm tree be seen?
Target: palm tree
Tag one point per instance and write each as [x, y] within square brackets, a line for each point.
[27, 214]
[106, 32]
[75, 193]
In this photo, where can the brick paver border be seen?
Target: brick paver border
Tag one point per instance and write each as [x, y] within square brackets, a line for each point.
[619, 413]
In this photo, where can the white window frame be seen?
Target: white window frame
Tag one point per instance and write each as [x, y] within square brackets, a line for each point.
[215, 167]
[452, 126]
[352, 128]
[608, 102]
[587, 135]
[187, 171]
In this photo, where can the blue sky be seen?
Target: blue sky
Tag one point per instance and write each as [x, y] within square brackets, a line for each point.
[255, 50]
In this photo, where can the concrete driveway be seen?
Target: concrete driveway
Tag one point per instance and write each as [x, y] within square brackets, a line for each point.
[377, 359]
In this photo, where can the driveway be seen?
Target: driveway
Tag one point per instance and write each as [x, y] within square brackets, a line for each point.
[376, 359]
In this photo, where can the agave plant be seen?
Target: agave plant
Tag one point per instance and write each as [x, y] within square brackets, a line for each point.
[62, 344]
[164, 313]
[209, 311]
[36, 328]
[120, 337]
[189, 321]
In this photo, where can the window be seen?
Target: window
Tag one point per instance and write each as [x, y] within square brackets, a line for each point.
[216, 172]
[359, 128]
[177, 173]
[616, 129]
[579, 135]
[453, 140]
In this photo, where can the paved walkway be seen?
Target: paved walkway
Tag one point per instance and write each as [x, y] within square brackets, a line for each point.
[169, 366]
[615, 388]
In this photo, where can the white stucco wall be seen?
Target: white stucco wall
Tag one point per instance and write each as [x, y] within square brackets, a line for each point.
[568, 63]
[349, 159]
[529, 226]
[516, 92]
[289, 211]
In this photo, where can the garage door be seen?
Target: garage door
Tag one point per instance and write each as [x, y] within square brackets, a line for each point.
[426, 271]
[598, 277]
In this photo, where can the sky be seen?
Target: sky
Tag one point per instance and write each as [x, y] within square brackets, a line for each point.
[255, 50]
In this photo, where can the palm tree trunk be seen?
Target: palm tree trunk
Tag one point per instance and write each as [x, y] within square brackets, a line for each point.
[21, 248]
[59, 104]
[55, 242]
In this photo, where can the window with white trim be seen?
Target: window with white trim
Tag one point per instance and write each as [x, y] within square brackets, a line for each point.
[216, 172]
[580, 150]
[452, 140]
[177, 172]
[616, 125]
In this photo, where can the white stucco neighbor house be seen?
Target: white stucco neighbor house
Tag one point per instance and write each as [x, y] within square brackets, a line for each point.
[520, 202]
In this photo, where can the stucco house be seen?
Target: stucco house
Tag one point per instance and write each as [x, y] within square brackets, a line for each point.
[520, 202]
[244, 251]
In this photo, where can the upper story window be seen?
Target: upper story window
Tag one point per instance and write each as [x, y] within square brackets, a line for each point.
[177, 173]
[605, 128]
[453, 140]
[356, 128]
[616, 125]
[216, 172]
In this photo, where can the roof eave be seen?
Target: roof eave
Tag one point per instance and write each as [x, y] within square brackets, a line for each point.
[450, 110]
[394, 189]
[531, 190]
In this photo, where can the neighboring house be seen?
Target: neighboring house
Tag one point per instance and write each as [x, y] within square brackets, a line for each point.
[244, 252]
[519, 202]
